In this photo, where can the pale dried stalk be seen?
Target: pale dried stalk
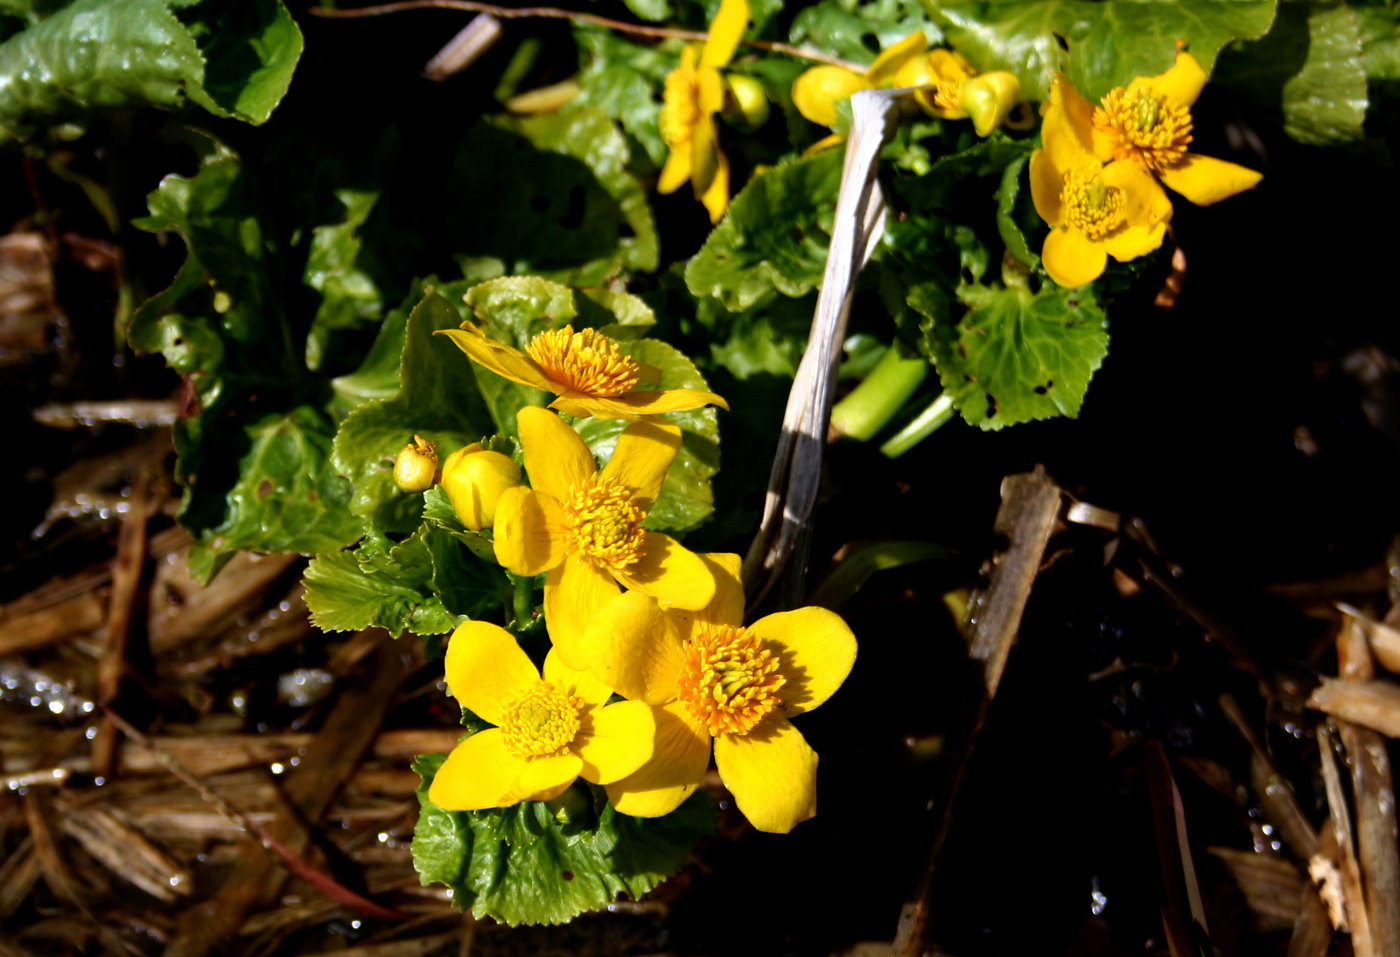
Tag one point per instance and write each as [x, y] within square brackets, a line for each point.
[1352, 891]
[123, 851]
[1372, 704]
[1383, 639]
[479, 35]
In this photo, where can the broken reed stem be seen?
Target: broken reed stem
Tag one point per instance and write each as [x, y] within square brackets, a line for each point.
[127, 572]
[1350, 867]
[555, 13]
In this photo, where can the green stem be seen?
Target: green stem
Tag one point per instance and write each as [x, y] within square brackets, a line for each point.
[524, 601]
[876, 400]
[939, 411]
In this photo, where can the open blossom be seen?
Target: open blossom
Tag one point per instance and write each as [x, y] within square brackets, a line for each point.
[550, 728]
[1148, 123]
[585, 528]
[693, 94]
[1094, 210]
[954, 90]
[710, 679]
[584, 369]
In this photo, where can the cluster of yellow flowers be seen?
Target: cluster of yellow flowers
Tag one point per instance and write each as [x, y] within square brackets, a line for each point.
[629, 612]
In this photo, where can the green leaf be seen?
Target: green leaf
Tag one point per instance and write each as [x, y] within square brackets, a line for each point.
[1109, 41]
[436, 399]
[552, 196]
[624, 79]
[858, 32]
[519, 865]
[1308, 71]
[287, 497]
[767, 339]
[1013, 223]
[1380, 41]
[1014, 356]
[774, 236]
[349, 295]
[252, 51]
[686, 499]
[378, 375]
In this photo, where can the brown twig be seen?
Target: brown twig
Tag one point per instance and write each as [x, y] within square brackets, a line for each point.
[555, 13]
[127, 572]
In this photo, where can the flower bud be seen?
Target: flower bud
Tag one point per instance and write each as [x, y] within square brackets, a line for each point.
[816, 92]
[745, 103]
[989, 98]
[474, 481]
[415, 467]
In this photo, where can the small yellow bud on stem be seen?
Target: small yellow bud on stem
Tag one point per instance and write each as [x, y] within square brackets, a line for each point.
[415, 467]
[745, 103]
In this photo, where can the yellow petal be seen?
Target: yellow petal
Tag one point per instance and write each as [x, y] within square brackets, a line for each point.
[635, 647]
[574, 592]
[825, 143]
[676, 172]
[1205, 180]
[1180, 85]
[479, 773]
[725, 33]
[1071, 258]
[716, 198]
[546, 776]
[670, 573]
[644, 452]
[1131, 242]
[1047, 184]
[474, 481]
[555, 457]
[1067, 131]
[486, 669]
[529, 531]
[1145, 202]
[680, 755]
[727, 607]
[583, 685]
[989, 99]
[772, 773]
[499, 357]
[815, 650]
[704, 155]
[614, 741]
[630, 405]
[816, 92]
[887, 65]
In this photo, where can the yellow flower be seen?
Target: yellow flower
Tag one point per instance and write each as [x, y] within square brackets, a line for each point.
[1095, 211]
[1148, 123]
[549, 730]
[474, 481]
[817, 91]
[708, 678]
[584, 369]
[584, 528]
[693, 94]
[956, 91]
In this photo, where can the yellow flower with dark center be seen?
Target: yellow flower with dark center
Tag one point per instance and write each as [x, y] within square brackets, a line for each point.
[693, 93]
[584, 528]
[584, 369]
[550, 728]
[1094, 210]
[1148, 123]
[709, 679]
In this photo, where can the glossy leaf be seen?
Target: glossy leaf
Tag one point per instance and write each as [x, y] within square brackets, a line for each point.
[858, 32]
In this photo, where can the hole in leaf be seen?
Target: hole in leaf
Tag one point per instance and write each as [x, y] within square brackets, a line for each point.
[991, 405]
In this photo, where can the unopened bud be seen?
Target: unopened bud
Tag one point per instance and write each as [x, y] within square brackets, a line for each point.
[989, 98]
[745, 103]
[415, 466]
[474, 481]
[816, 92]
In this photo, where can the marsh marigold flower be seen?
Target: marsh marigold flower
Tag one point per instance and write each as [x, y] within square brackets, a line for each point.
[956, 91]
[1094, 210]
[711, 679]
[584, 369]
[550, 729]
[693, 94]
[474, 480]
[585, 528]
[817, 91]
[1148, 123]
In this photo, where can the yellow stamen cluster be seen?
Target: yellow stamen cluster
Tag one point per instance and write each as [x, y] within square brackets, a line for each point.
[585, 361]
[543, 720]
[1144, 128]
[680, 107]
[602, 522]
[1091, 206]
[728, 679]
[948, 97]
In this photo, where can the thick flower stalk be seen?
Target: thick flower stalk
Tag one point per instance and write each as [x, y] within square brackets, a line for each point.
[693, 94]
[584, 369]
[585, 530]
[1094, 210]
[1148, 123]
[712, 680]
[952, 89]
[817, 91]
[474, 480]
[549, 730]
